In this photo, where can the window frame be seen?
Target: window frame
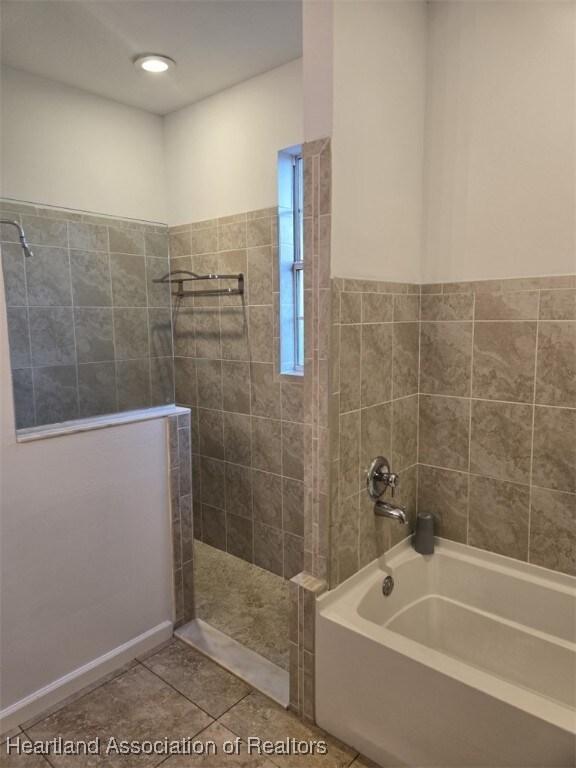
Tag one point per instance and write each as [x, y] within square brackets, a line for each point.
[291, 261]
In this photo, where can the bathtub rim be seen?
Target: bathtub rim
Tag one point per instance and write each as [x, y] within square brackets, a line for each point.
[339, 606]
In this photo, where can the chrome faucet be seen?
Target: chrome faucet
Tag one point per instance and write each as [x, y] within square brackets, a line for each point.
[378, 478]
[383, 509]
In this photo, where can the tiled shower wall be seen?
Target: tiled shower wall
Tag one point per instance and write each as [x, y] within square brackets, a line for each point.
[479, 419]
[374, 411]
[89, 332]
[247, 420]
[497, 432]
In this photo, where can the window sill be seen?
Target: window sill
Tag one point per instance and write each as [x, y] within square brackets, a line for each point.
[292, 375]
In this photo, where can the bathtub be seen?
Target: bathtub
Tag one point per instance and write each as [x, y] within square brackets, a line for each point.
[470, 661]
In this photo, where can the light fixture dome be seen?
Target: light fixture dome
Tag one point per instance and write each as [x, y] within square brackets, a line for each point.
[154, 62]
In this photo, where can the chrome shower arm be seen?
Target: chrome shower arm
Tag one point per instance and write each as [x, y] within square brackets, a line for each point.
[21, 235]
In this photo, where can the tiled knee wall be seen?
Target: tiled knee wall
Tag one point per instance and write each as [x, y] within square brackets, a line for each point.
[247, 420]
[90, 333]
[179, 452]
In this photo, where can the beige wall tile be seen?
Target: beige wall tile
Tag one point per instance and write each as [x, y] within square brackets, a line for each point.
[511, 305]
[375, 433]
[204, 240]
[444, 494]
[535, 283]
[259, 231]
[265, 390]
[231, 236]
[349, 454]
[443, 434]
[237, 438]
[501, 440]
[292, 450]
[260, 274]
[207, 332]
[238, 487]
[452, 306]
[556, 366]
[292, 401]
[211, 427]
[504, 360]
[236, 343]
[406, 308]
[474, 286]
[180, 244]
[378, 307]
[350, 341]
[553, 530]
[558, 305]
[498, 516]
[267, 498]
[351, 307]
[445, 357]
[345, 537]
[267, 445]
[376, 363]
[209, 378]
[404, 433]
[236, 386]
[259, 340]
[554, 452]
[406, 359]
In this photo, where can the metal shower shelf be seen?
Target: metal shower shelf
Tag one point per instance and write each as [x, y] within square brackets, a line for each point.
[176, 277]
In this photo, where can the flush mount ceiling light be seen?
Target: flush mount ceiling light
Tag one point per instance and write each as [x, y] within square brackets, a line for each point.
[154, 62]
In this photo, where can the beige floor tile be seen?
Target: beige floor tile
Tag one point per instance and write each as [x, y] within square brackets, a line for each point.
[22, 761]
[215, 756]
[202, 681]
[135, 706]
[257, 716]
[364, 762]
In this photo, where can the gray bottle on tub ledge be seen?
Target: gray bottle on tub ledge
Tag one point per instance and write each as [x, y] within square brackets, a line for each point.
[423, 537]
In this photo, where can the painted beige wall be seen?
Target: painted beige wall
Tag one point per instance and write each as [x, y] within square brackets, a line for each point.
[85, 559]
[500, 141]
[222, 152]
[317, 44]
[379, 101]
[65, 147]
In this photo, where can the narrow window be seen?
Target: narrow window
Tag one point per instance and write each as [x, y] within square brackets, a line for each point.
[291, 260]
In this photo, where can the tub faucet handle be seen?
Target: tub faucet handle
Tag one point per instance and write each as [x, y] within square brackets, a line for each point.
[393, 481]
[379, 477]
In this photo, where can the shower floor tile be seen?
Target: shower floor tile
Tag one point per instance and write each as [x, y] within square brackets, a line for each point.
[243, 601]
[174, 692]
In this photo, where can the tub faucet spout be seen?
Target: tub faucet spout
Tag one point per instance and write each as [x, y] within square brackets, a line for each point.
[383, 509]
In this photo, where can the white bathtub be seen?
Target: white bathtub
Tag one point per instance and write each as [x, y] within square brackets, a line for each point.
[471, 661]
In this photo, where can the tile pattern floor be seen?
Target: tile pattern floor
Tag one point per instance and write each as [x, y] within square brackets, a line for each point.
[174, 692]
[243, 601]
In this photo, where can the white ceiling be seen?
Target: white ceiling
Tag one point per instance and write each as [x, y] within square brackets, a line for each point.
[90, 44]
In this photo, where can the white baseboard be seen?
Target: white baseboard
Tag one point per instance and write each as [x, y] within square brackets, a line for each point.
[74, 681]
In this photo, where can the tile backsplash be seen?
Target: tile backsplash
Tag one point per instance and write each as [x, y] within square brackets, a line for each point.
[89, 332]
[247, 420]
